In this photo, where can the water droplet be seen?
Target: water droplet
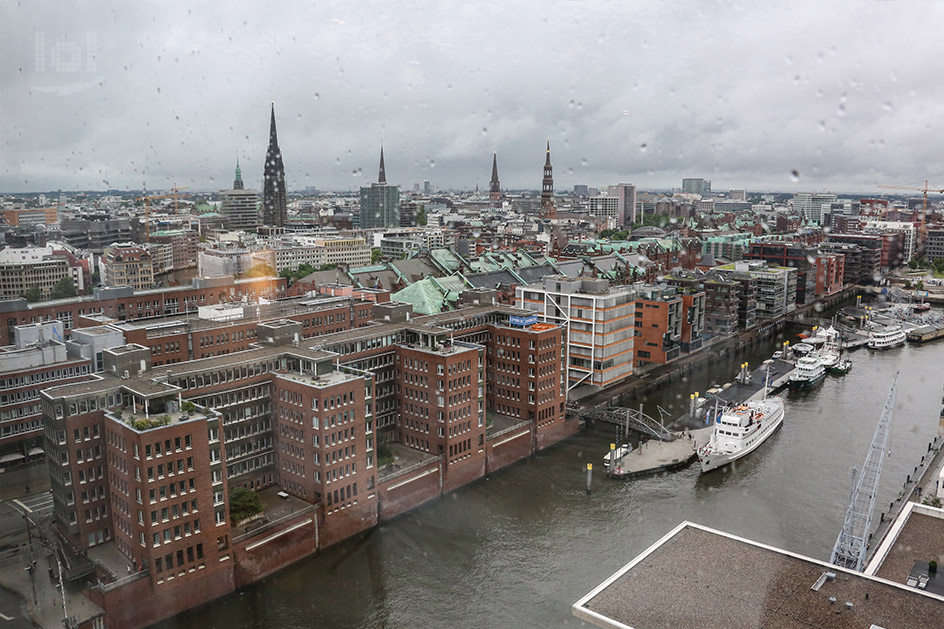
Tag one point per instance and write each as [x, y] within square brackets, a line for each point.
[841, 110]
[317, 96]
[432, 163]
[794, 175]
[484, 130]
[643, 147]
[583, 161]
[822, 125]
[887, 106]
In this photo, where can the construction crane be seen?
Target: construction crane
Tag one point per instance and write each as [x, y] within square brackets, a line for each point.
[147, 208]
[924, 204]
[852, 543]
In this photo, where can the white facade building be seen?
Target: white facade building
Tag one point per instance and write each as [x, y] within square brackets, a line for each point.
[600, 321]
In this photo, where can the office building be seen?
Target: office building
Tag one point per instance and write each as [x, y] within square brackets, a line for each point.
[239, 206]
[600, 323]
[127, 264]
[380, 202]
[27, 268]
[695, 185]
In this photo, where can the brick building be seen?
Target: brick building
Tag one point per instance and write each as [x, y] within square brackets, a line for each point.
[142, 459]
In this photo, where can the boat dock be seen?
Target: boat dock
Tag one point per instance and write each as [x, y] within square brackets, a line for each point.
[753, 389]
[925, 333]
[656, 457]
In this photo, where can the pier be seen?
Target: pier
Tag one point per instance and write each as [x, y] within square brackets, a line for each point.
[656, 457]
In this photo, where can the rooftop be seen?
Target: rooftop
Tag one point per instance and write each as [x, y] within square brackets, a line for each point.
[915, 538]
[700, 577]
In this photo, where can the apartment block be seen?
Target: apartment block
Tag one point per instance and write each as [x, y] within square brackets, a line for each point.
[776, 286]
[599, 320]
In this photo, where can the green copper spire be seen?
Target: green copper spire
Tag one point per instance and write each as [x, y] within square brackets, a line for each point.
[238, 182]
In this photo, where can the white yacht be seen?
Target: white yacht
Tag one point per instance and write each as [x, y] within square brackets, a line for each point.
[809, 372]
[739, 430]
[885, 337]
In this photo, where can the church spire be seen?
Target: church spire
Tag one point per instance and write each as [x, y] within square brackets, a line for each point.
[382, 176]
[274, 201]
[238, 181]
[547, 187]
[494, 188]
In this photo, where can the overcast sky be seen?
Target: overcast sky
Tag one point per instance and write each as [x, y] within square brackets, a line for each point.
[113, 95]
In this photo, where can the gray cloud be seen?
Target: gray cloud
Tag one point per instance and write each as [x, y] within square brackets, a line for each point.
[845, 93]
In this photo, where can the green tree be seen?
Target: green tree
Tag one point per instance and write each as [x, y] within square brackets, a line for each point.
[421, 217]
[243, 503]
[375, 256]
[919, 285]
[33, 294]
[63, 288]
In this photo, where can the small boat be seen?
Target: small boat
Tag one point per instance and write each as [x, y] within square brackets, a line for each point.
[921, 307]
[739, 430]
[624, 449]
[808, 373]
[802, 349]
[842, 367]
[884, 337]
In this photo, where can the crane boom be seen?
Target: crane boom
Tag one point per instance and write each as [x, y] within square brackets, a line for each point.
[852, 543]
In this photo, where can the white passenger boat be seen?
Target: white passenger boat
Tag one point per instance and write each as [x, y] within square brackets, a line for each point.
[739, 430]
[808, 373]
[883, 337]
[621, 451]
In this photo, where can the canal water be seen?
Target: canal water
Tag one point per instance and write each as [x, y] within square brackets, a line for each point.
[519, 547]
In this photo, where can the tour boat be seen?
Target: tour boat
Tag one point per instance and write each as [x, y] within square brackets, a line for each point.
[885, 337]
[808, 373]
[921, 307]
[739, 430]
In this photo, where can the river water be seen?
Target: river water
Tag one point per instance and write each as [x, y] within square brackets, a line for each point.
[518, 548]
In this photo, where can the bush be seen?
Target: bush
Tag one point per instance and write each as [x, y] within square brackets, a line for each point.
[384, 454]
[932, 567]
[188, 407]
[243, 503]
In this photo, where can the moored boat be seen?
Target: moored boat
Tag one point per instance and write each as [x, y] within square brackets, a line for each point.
[883, 337]
[739, 430]
[808, 373]
[842, 367]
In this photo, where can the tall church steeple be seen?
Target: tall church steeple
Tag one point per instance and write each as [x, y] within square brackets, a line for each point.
[382, 176]
[274, 201]
[547, 187]
[494, 188]
[238, 181]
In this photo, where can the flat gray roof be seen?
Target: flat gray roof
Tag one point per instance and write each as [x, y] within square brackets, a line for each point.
[699, 577]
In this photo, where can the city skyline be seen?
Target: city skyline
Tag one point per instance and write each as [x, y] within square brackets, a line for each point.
[100, 99]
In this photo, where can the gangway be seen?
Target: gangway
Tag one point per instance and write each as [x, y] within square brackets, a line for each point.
[852, 543]
[632, 419]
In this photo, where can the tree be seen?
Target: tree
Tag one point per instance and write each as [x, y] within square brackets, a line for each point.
[33, 294]
[260, 270]
[375, 256]
[63, 288]
[243, 503]
[919, 285]
[421, 217]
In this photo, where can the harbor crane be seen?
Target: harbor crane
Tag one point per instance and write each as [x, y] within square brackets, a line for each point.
[147, 208]
[924, 204]
[852, 543]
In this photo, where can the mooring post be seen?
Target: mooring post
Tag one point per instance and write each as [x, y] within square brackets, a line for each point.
[589, 475]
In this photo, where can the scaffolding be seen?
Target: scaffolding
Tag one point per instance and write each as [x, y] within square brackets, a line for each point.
[852, 543]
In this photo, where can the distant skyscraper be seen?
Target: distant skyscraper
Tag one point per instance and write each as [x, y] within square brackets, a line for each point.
[274, 202]
[427, 188]
[547, 186]
[494, 187]
[239, 206]
[380, 203]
